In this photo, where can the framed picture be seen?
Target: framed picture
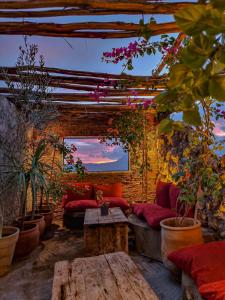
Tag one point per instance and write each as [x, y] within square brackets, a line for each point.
[98, 157]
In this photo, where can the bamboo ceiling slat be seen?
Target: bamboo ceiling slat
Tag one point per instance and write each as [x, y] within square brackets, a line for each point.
[118, 29]
[94, 6]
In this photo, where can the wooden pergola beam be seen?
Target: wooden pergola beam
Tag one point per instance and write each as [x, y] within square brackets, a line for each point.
[163, 63]
[12, 74]
[13, 70]
[76, 95]
[94, 6]
[118, 29]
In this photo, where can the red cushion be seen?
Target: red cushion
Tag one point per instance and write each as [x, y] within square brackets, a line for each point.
[162, 194]
[117, 202]
[154, 214]
[213, 291]
[80, 205]
[174, 192]
[110, 190]
[82, 191]
[205, 263]
[64, 200]
[138, 209]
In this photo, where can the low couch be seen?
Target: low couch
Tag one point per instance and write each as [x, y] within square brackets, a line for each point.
[203, 268]
[146, 219]
[81, 196]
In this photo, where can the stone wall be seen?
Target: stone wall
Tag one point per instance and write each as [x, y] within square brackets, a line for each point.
[11, 138]
[135, 188]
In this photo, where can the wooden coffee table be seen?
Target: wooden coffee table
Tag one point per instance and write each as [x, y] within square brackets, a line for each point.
[112, 276]
[104, 234]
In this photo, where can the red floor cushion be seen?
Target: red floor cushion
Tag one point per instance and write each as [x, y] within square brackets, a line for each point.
[110, 190]
[162, 194]
[79, 191]
[80, 205]
[117, 202]
[205, 263]
[154, 214]
[138, 209]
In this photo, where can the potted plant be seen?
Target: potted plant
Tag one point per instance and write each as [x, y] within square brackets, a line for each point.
[45, 208]
[8, 238]
[199, 180]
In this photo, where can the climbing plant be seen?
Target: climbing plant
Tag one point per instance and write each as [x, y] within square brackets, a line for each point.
[199, 73]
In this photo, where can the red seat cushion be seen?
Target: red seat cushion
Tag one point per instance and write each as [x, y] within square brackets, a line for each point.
[81, 191]
[205, 263]
[110, 190]
[162, 194]
[138, 209]
[154, 214]
[117, 202]
[80, 205]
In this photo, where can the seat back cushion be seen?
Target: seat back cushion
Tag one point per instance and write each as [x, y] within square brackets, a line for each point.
[162, 194]
[80, 205]
[154, 214]
[205, 263]
[110, 190]
[117, 202]
[79, 191]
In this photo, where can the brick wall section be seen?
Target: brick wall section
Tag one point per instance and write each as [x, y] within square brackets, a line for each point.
[134, 189]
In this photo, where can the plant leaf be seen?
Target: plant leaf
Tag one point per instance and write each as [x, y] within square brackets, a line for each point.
[192, 117]
[165, 126]
[217, 87]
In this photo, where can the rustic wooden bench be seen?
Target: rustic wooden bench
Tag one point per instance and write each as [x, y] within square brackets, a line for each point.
[105, 234]
[112, 276]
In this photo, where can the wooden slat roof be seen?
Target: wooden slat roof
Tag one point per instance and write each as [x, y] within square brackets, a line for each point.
[82, 85]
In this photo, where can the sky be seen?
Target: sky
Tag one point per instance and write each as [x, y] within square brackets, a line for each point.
[85, 54]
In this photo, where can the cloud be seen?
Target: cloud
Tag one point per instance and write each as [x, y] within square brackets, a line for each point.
[219, 129]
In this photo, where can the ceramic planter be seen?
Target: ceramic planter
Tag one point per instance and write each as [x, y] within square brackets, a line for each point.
[48, 215]
[28, 240]
[175, 237]
[7, 247]
[38, 219]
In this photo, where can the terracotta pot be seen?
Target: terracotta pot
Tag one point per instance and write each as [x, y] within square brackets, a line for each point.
[28, 240]
[38, 219]
[7, 247]
[174, 237]
[48, 215]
